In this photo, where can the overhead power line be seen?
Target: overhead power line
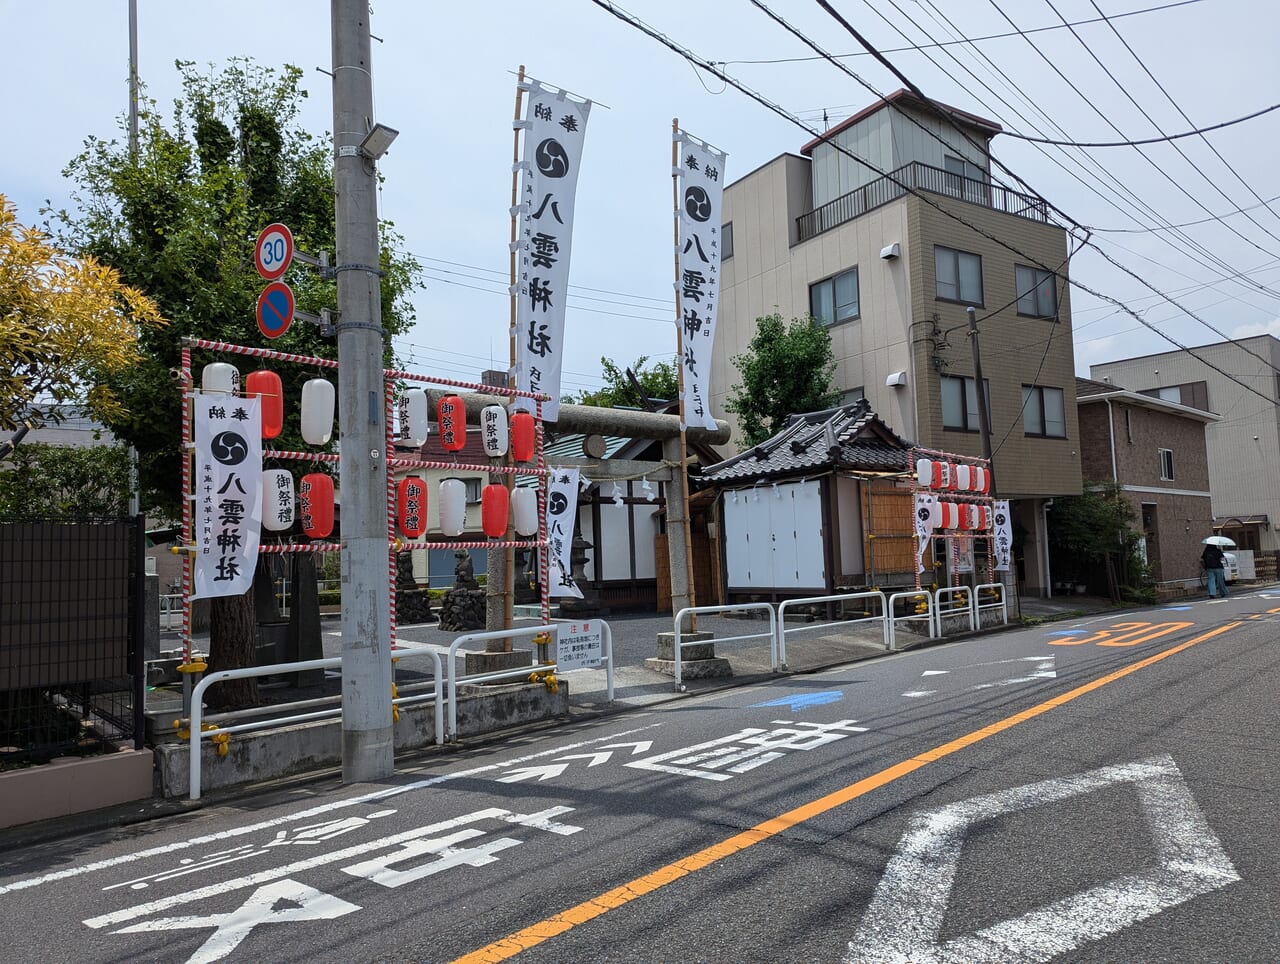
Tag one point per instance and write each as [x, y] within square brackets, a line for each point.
[1149, 140]
[704, 64]
[965, 40]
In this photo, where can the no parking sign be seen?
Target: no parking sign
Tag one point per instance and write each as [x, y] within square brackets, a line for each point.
[275, 309]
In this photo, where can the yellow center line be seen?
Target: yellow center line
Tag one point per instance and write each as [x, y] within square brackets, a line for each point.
[535, 934]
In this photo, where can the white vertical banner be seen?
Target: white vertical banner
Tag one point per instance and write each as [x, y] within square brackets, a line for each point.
[701, 189]
[228, 491]
[554, 127]
[562, 510]
[926, 522]
[1003, 530]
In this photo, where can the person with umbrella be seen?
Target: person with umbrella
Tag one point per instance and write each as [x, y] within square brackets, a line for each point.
[1213, 559]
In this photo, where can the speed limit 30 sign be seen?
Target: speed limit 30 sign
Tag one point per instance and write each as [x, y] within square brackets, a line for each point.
[274, 251]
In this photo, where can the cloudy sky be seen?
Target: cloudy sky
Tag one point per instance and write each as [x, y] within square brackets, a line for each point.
[444, 76]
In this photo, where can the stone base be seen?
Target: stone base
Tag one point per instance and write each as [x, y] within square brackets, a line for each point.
[697, 661]
[691, 668]
[495, 662]
[704, 650]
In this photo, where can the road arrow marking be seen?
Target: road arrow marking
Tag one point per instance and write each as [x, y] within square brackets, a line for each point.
[905, 915]
[799, 701]
[595, 758]
[640, 746]
[916, 694]
[544, 772]
[935, 672]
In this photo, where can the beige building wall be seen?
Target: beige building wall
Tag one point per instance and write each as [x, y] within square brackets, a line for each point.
[1244, 447]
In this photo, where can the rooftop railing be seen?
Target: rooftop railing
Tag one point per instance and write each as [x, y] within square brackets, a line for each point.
[920, 177]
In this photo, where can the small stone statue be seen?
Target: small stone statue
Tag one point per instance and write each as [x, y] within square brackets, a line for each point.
[464, 576]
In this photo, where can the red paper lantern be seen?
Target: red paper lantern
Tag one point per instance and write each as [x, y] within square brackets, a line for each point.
[411, 506]
[953, 477]
[266, 386]
[315, 504]
[523, 436]
[950, 515]
[494, 503]
[451, 416]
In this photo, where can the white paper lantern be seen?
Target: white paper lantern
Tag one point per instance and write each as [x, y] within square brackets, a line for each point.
[494, 430]
[524, 510]
[963, 477]
[924, 472]
[277, 500]
[983, 482]
[413, 417]
[453, 507]
[220, 377]
[317, 411]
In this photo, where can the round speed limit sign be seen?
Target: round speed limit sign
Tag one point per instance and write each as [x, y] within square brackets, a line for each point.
[274, 251]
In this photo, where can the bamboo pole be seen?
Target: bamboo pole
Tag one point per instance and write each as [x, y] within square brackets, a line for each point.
[684, 450]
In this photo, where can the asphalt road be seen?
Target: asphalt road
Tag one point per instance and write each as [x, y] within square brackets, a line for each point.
[1101, 790]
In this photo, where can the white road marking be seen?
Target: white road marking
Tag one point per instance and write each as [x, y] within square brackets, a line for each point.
[301, 903]
[233, 832]
[935, 672]
[720, 759]
[542, 821]
[1044, 670]
[905, 915]
[916, 694]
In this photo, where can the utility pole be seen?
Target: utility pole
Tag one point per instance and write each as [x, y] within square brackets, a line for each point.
[367, 749]
[984, 426]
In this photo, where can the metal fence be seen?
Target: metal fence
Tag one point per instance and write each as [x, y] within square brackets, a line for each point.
[71, 611]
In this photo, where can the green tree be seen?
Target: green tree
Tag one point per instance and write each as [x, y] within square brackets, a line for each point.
[659, 382]
[68, 325]
[54, 481]
[178, 221]
[786, 370]
[1093, 531]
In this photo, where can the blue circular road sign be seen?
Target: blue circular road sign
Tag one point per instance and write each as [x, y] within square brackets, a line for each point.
[275, 309]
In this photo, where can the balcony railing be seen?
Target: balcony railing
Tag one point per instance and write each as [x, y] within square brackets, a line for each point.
[922, 177]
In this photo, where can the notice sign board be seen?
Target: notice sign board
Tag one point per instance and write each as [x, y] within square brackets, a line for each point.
[580, 645]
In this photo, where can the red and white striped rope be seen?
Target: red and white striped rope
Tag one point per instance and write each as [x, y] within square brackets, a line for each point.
[470, 386]
[463, 466]
[486, 544]
[389, 394]
[186, 504]
[301, 456]
[542, 517]
[284, 548]
[949, 456]
[259, 352]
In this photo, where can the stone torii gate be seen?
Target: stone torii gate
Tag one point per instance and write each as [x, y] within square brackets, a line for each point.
[591, 420]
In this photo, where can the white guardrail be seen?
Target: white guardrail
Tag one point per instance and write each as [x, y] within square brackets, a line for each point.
[197, 719]
[952, 601]
[552, 630]
[772, 635]
[874, 596]
[915, 596]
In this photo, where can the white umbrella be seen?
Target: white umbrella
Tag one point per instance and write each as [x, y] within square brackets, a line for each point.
[1221, 541]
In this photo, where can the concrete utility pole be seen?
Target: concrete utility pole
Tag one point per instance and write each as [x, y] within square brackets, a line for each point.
[367, 749]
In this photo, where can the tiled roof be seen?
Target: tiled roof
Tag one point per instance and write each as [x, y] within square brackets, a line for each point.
[849, 437]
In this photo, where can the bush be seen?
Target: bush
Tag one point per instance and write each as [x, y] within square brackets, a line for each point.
[330, 597]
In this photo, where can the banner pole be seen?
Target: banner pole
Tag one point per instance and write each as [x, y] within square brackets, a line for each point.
[509, 479]
[187, 388]
[684, 449]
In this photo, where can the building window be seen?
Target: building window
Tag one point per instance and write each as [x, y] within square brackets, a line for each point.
[1166, 465]
[726, 241]
[1043, 412]
[473, 488]
[960, 403]
[959, 276]
[835, 299]
[1037, 291]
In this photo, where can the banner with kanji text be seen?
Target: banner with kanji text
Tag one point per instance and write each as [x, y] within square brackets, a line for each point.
[700, 191]
[228, 493]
